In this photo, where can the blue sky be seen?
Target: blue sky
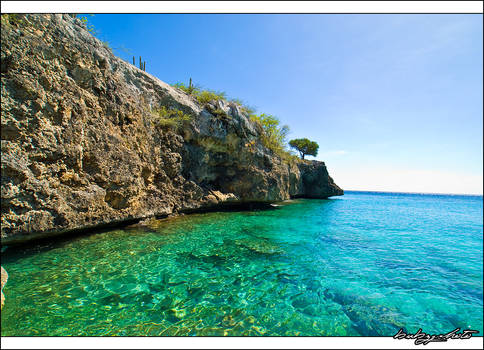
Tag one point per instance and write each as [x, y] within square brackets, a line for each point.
[394, 101]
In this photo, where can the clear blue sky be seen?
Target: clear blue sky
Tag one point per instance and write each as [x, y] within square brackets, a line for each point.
[394, 101]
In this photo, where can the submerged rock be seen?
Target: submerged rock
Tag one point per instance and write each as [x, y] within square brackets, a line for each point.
[83, 146]
[260, 246]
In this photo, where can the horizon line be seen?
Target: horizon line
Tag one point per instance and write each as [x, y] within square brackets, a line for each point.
[434, 193]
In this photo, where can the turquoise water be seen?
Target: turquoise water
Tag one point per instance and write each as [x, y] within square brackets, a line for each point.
[361, 264]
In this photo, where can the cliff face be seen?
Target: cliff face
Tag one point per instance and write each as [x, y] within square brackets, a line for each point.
[82, 145]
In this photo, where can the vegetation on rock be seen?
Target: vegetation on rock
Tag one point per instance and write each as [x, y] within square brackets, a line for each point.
[11, 18]
[305, 147]
[274, 134]
[202, 96]
[90, 27]
[170, 117]
[219, 113]
[102, 155]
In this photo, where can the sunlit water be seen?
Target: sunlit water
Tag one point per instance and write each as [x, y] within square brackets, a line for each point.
[361, 264]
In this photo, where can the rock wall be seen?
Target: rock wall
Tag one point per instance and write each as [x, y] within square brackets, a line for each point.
[81, 145]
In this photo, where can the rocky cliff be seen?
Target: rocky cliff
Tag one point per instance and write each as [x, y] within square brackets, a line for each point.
[83, 145]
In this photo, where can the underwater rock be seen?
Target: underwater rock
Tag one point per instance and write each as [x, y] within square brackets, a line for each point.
[259, 246]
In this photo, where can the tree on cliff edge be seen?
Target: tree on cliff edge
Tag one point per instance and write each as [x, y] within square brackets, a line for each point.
[305, 147]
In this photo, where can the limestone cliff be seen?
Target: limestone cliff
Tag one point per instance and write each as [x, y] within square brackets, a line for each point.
[82, 145]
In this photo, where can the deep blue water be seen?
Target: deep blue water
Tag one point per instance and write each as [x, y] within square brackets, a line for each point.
[361, 264]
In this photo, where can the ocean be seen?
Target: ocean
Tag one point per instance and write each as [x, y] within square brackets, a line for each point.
[364, 264]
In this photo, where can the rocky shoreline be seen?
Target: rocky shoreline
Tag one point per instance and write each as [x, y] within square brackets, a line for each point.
[82, 147]
[4, 278]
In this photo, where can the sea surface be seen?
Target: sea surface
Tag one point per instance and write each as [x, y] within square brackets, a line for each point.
[364, 264]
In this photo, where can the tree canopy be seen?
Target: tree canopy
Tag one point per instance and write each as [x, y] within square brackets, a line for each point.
[305, 147]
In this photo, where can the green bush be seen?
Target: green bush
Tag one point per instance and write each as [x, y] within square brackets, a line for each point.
[207, 96]
[89, 26]
[274, 136]
[202, 96]
[191, 89]
[236, 101]
[250, 111]
[170, 118]
[12, 18]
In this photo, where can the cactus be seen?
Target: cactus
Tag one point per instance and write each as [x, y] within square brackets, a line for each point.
[190, 86]
[142, 64]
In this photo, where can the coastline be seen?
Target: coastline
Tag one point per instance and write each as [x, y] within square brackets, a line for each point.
[417, 193]
[99, 162]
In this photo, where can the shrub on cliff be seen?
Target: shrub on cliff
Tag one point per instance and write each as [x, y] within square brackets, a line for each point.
[12, 18]
[305, 147]
[274, 136]
[89, 26]
[191, 89]
[250, 111]
[206, 96]
[202, 96]
[170, 118]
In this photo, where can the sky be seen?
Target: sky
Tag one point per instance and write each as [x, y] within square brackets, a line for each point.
[394, 101]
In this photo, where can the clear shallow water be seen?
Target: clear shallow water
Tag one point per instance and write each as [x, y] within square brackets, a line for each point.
[361, 264]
